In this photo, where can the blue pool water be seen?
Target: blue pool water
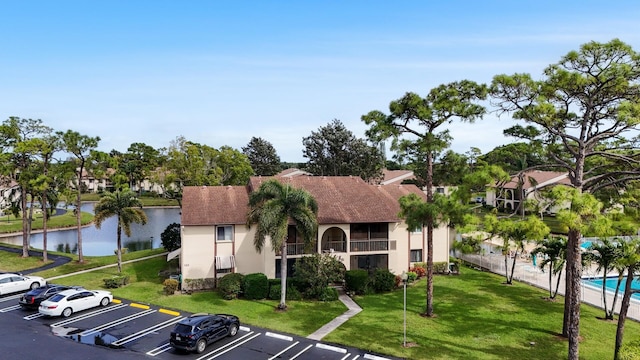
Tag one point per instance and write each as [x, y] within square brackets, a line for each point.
[611, 282]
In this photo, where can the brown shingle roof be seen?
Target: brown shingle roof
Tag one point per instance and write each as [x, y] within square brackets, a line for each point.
[210, 205]
[341, 199]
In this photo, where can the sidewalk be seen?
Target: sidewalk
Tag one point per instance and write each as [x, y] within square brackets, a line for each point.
[353, 309]
[532, 275]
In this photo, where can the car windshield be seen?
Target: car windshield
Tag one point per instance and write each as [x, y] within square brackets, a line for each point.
[56, 298]
[182, 329]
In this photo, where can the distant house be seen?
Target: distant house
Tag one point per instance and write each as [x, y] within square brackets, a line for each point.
[526, 186]
[358, 223]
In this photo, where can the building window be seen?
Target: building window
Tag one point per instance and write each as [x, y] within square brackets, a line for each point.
[224, 233]
[417, 230]
[416, 255]
[440, 190]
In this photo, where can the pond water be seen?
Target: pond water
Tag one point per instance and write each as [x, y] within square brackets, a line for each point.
[100, 242]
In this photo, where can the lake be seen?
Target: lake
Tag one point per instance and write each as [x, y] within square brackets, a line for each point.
[100, 242]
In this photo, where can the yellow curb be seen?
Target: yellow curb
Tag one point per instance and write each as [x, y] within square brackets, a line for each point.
[116, 301]
[170, 312]
[139, 306]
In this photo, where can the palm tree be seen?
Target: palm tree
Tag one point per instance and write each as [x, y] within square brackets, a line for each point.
[553, 250]
[606, 255]
[630, 259]
[126, 207]
[272, 206]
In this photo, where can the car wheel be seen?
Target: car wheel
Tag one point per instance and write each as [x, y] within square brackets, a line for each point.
[67, 312]
[34, 286]
[201, 345]
[104, 302]
[233, 330]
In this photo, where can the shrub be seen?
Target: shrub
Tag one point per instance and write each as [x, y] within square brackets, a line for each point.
[419, 271]
[328, 294]
[383, 280]
[315, 272]
[231, 285]
[116, 281]
[170, 286]
[256, 286]
[441, 267]
[411, 276]
[292, 293]
[356, 280]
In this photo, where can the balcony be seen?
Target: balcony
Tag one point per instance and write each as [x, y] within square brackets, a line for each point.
[337, 246]
[297, 249]
[369, 245]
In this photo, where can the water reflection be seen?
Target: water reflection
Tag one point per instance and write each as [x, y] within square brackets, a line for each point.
[100, 242]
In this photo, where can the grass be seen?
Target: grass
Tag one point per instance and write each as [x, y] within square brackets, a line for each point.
[477, 316]
[11, 224]
[14, 262]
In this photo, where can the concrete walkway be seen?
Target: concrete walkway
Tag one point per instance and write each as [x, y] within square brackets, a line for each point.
[353, 309]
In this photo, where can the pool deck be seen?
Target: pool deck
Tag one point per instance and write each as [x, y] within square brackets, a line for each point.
[526, 272]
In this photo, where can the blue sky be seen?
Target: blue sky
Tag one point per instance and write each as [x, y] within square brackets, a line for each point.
[219, 73]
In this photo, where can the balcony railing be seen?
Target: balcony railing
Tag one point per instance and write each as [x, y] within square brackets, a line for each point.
[370, 245]
[337, 246]
[296, 249]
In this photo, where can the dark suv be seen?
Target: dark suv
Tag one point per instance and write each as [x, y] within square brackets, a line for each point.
[195, 332]
[33, 298]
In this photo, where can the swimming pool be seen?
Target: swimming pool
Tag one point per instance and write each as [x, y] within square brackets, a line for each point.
[611, 282]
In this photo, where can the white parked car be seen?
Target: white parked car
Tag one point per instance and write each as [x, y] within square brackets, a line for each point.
[70, 301]
[10, 283]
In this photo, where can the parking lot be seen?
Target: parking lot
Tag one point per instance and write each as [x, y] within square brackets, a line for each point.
[138, 329]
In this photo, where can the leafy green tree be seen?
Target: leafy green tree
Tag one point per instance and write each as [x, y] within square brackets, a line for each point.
[21, 139]
[334, 151]
[512, 156]
[45, 147]
[126, 207]
[586, 108]
[552, 251]
[263, 157]
[451, 169]
[138, 163]
[171, 237]
[235, 168]
[414, 125]
[517, 233]
[270, 208]
[80, 146]
[317, 272]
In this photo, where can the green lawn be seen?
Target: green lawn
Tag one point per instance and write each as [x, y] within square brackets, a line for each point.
[477, 316]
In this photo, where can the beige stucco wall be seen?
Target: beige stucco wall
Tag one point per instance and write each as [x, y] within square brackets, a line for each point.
[197, 259]
[198, 253]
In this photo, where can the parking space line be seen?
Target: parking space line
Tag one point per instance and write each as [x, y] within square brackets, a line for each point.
[332, 348]
[32, 316]
[10, 308]
[229, 344]
[88, 315]
[146, 331]
[159, 350]
[346, 356]
[301, 352]
[278, 336]
[9, 298]
[356, 357]
[374, 357]
[285, 350]
[117, 322]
